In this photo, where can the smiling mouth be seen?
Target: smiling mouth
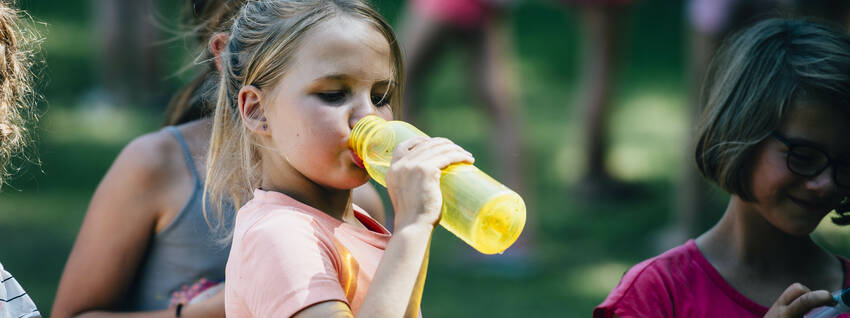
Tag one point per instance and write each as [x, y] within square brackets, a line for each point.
[809, 205]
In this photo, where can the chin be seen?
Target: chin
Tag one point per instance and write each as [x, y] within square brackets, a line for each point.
[801, 230]
[357, 181]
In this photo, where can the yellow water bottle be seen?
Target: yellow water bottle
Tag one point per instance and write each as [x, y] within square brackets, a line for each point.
[476, 208]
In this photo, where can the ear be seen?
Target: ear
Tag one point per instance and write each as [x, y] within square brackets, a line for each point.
[216, 46]
[252, 111]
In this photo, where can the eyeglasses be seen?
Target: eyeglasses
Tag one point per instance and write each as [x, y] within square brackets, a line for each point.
[809, 161]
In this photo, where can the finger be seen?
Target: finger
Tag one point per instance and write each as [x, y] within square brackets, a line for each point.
[440, 155]
[445, 160]
[436, 145]
[404, 147]
[808, 301]
[791, 293]
[435, 148]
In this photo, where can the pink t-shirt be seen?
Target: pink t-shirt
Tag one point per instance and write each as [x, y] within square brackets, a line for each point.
[680, 283]
[287, 256]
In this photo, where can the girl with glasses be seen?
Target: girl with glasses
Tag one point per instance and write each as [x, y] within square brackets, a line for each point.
[774, 136]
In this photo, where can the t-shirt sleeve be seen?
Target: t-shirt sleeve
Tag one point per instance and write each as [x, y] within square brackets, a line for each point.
[642, 292]
[14, 301]
[287, 263]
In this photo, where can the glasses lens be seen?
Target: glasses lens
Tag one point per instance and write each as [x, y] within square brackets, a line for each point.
[807, 161]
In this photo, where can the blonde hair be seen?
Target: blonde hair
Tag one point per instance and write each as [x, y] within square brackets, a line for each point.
[16, 94]
[263, 41]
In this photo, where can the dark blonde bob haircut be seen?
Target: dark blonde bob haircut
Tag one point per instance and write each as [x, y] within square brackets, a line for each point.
[755, 80]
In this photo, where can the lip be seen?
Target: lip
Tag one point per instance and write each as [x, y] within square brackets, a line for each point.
[809, 205]
[356, 159]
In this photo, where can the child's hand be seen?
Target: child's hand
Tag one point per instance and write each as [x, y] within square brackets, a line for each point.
[797, 300]
[413, 178]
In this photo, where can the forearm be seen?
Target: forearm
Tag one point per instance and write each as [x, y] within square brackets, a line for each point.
[187, 312]
[396, 289]
[209, 308]
[146, 314]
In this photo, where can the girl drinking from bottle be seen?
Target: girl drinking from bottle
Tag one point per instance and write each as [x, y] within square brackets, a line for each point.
[296, 76]
[774, 135]
[166, 260]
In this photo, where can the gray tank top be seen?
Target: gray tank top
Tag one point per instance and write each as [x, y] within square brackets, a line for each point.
[182, 254]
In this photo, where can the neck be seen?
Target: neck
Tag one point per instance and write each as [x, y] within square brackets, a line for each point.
[743, 237]
[280, 177]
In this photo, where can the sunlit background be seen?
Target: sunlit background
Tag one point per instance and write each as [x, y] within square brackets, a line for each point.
[577, 248]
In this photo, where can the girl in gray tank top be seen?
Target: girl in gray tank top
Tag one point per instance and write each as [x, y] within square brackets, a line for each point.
[184, 258]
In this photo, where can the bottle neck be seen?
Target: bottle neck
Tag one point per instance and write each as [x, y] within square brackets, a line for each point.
[362, 129]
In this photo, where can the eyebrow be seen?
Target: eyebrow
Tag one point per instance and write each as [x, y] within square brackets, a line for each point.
[799, 141]
[346, 77]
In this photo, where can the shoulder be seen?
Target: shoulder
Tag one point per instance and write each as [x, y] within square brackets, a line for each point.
[147, 174]
[148, 179]
[650, 285]
[151, 157]
[655, 274]
[197, 135]
[281, 252]
[264, 217]
[281, 231]
[14, 301]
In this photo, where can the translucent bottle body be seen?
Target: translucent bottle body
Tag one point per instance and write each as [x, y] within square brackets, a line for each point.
[476, 208]
[842, 306]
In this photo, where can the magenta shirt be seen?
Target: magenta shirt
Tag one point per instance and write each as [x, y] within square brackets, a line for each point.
[681, 283]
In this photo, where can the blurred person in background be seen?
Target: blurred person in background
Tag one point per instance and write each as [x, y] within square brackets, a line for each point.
[17, 115]
[145, 232]
[772, 135]
[481, 28]
[129, 53]
[429, 28]
[602, 29]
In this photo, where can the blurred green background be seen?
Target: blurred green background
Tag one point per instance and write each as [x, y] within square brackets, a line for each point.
[579, 249]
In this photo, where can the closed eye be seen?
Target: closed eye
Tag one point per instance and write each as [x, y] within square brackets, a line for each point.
[332, 97]
[381, 100]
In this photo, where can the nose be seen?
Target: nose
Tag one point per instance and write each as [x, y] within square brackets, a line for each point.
[361, 107]
[823, 184]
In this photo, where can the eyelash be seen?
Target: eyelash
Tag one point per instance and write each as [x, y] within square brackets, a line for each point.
[336, 97]
[381, 100]
[332, 97]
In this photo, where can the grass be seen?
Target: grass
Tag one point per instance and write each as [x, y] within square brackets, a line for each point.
[572, 255]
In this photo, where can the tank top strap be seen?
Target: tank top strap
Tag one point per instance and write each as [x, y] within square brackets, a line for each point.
[186, 153]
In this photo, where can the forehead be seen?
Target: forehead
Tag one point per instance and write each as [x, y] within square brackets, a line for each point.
[821, 123]
[344, 46]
